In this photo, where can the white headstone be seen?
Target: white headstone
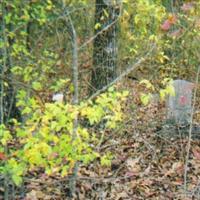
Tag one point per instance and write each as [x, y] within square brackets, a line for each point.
[179, 107]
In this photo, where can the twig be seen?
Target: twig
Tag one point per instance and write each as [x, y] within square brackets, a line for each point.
[190, 134]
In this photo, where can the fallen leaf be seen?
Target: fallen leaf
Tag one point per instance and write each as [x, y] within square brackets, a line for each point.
[178, 182]
[196, 153]
[133, 165]
[177, 167]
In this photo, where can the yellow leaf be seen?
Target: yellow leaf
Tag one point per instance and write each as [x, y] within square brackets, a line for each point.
[137, 19]
[106, 13]
[170, 90]
[147, 83]
[97, 26]
[162, 94]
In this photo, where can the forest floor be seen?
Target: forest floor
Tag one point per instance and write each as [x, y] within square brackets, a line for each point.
[146, 165]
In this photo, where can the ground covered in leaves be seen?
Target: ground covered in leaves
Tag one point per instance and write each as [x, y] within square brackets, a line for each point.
[145, 165]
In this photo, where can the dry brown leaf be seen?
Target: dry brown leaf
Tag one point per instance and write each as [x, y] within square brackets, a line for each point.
[132, 164]
[122, 195]
[196, 152]
[177, 168]
[34, 195]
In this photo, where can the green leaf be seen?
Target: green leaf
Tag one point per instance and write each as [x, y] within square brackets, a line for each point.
[64, 171]
[106, 160]
[26, 110]
[36, 86]
[8, 18]
[21, 133]
[17, 179]
[145, 98]
[111, 89]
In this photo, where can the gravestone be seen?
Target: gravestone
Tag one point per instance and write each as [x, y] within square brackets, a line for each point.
[179, 106]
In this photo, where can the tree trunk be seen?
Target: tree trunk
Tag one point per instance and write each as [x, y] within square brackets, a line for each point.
[105, 45]
[8, 100]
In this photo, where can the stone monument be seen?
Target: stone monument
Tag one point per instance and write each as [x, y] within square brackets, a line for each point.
[179, 106]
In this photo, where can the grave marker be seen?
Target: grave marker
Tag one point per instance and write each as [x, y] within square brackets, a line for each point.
[179, 106]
